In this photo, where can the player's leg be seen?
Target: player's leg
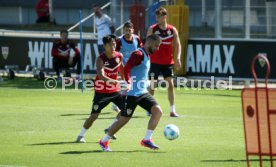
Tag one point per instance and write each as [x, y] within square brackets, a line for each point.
[167, 71]
[153, 77]
[99, 102]
[118, 101]
[56, 66]
[125, 116]
[147, 102]
[76, 61]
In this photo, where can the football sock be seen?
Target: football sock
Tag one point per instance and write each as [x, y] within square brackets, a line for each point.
[148, 135]
[106, 138]
[172, 108]
[82, 132]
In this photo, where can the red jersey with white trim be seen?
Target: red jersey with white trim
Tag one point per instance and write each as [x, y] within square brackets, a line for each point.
[164, 55]
[111, 68]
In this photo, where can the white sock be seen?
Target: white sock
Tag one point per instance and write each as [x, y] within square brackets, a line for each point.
[148, 134]
[106, 138]
[82, 132]
[172, 108]
[115, 120]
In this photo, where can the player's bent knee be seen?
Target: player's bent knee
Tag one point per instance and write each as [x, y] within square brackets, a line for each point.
[156, 110]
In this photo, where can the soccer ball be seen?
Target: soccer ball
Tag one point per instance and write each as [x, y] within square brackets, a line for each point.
[171, 132]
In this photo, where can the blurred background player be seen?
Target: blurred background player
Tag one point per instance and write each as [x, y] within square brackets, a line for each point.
[136, 75]
[126, 44]
[65, 54]
[104, 26]
[42, 10]
[162, 60]
[106, 85]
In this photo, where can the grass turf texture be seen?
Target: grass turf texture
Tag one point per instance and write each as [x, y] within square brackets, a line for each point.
[38, 129]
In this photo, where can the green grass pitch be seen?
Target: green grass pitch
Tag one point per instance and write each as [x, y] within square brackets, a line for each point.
[38, 129]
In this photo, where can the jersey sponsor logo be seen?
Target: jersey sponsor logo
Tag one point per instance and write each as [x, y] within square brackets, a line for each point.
[110, 73]
[5, 52]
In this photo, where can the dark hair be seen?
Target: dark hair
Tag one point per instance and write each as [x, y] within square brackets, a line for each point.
[63, 31]
[128, 25]
[96, 6]
[153, 37]
[161, 11]
[108, 38]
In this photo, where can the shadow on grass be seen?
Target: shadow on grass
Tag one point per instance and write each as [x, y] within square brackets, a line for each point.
[100, 151]
[66, 115]
[234, 160]
[214, 94]
[134, 117]
[56, 143]
[29, 83]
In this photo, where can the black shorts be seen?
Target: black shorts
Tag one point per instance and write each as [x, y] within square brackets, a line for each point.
[146, 101]
[156, 69]
[101, 100]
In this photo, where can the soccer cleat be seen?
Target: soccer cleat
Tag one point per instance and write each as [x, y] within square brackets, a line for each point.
[112, 137]
[115, 108]
[148, 113]
[174, 114]
[104, 146]
[149, 144]
[80, 139]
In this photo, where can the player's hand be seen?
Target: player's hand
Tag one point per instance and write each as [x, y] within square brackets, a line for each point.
[178, 64]
[70, 61]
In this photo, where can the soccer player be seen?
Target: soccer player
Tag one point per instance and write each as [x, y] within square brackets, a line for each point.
[136, 75]
[65, 54]
[106, 84]
[104, 26]
[126, 44]
[162, 60]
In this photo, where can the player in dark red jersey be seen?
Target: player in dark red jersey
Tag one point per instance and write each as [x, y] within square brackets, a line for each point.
[107, 85]
[162, 60]
[65, 54]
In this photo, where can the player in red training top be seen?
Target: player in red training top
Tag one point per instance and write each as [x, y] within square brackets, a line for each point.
[107, 87]
[162, 60]
[65, 54]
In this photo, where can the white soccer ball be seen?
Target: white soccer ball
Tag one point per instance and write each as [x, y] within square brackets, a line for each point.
[171, 132]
